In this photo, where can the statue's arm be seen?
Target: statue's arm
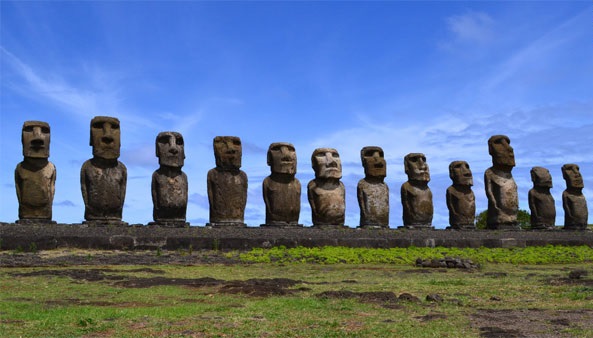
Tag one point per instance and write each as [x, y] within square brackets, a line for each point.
[52, 187]
[83, 189]
[18, 181]
[360, 196]
[567, 204]
[404, 198]
[209, 188]
[532, 206]
[450, 204]
[311, 197]
[488, 188]
[154, 186]
[124, 183]
[264, 190]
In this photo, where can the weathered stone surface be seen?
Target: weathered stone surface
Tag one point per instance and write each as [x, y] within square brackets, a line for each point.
[227, 184]
[281, 190]
[501, 189]
[35, 176]
[461, 200]
[415, 194]
[541, 202]
[169, 183]
[326, 193]
[103, 178]
[372, 192]
[574, 203]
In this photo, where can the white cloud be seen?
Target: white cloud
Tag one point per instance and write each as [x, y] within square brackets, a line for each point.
[472, 27]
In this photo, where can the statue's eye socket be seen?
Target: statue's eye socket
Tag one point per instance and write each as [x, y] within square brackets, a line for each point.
[114, 126]
[179, 141]
[164, 139]
[276, 148]
[28, 129]
[423, 159]
[369, 153]
[335, 155]
[98, 125]
[290, 148]
[237, 142]
[45, 130]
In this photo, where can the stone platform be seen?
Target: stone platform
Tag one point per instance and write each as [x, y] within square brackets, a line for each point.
[53, 236]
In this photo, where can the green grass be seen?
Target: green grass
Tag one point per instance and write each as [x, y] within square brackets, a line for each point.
[333, 255]
[59, 306]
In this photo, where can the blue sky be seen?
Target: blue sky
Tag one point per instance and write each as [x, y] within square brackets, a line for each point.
[433, 77]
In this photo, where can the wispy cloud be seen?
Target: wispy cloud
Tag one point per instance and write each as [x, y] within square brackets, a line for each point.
[536, 54]
[81, 102]
[65, 203]
[471, 27]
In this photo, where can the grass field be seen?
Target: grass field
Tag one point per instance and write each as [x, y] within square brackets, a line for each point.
[297, 297]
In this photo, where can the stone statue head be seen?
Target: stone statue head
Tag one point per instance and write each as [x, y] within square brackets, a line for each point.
[373, 161]
[282, 158]
[170, 149]
[105, 137]
[227, 152]
[541, 177]
[499, 147]
[460, 173]
[326, 163]
[416, 167]
[572, 175]
[35, 138]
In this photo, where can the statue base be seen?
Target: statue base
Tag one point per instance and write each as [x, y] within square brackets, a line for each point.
[170, 224]
[34, 221]
[226, 224]
[575, 227]
[464, 227]
[281, 225]
[373, 226]
[543, 227]
[504, 226]
[329, 226]
[417, 227]
[105, 223]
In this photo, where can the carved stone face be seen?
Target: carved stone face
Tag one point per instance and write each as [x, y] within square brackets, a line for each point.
[35, 138]
[499, 147]
[170, 149]
[572, 175]
[105, 137]
[227, 151]
[373, 161]
[416, 167]
[282, 158]
[326, 163]
[460, 173]
[541, 177]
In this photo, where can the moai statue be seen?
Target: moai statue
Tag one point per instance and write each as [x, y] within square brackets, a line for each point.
[227, 184]
[35, 176]
[415, 193]
[103, 178]
[326, 193]
[541, 202]
[574, 203]
[501, 189]
[169, 183]
[372, 192]
[461, 200]
[281, 190]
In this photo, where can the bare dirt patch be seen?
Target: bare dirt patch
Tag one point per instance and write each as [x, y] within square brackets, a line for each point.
[257, 287]
[531, 322]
